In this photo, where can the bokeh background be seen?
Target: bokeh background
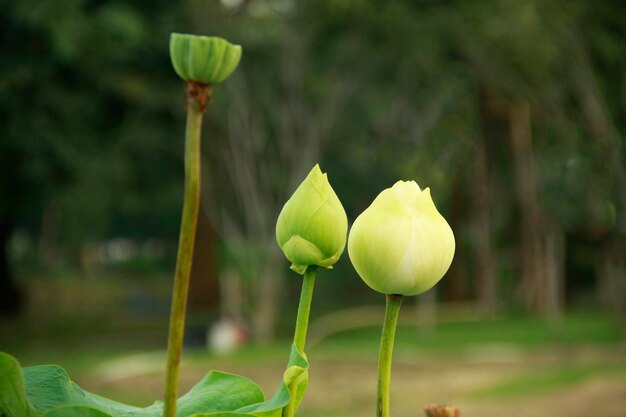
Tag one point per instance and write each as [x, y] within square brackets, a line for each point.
[513, 112]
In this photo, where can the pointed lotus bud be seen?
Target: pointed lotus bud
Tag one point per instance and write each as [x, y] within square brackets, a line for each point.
[205, 59]
[312, 226]
[401, 244]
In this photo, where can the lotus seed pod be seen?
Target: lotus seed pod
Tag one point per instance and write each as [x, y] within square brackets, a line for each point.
[204, 59]
[312, 226]
[401, 244]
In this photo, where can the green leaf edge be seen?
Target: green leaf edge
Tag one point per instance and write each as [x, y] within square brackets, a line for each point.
[14, 401]
[76, 411]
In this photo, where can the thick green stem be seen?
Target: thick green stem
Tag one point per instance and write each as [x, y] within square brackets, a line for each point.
[191, 206]
[304, 308]
[386, 350]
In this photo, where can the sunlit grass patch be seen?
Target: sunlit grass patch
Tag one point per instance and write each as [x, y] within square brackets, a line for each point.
[548, 381]
[454, 335]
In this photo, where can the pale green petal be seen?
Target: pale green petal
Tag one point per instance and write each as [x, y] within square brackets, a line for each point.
[401, 244]
[300, 269]
[305, 201]
[429, 254]
[377, 244]
[330, 236]
[329, 262]
[302, 252]
[313, 214]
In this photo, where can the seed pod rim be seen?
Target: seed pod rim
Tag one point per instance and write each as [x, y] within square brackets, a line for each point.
[205, 59]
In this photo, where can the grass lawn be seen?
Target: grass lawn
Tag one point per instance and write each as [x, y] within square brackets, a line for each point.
[515, 366]
[510, 366]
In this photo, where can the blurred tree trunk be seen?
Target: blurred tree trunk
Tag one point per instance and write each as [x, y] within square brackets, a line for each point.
[611, 274]
[610, 159]
[532, 224]
[555, 272]
[455, 286]
[48, 243]
[11, 300]
[203, 291]
[231, 294]
[601, 128]
[269, 289]
[482, 199]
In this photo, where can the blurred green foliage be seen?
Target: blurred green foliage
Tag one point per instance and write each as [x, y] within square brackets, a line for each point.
[91, 116]
[86, 119]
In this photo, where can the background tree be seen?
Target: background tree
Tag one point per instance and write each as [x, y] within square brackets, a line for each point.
[512, 112]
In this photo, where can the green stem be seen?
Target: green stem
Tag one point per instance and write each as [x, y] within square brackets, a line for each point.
[304, 308]
[191, 206]
[386, 350]
[302, 324]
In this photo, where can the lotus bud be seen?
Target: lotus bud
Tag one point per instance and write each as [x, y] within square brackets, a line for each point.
[312, 226]
[401, 244]
[204, 59]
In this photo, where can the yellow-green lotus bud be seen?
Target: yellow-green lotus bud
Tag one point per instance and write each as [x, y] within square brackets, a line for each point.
[312, 226]
[401, 244]
[205, 59]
